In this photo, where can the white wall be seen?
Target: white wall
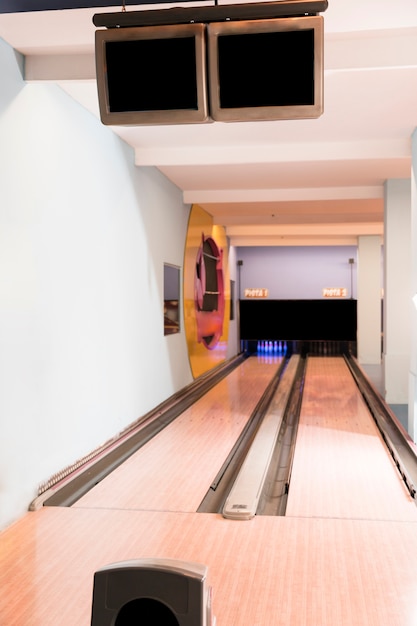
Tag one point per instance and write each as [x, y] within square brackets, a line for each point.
[298, 272]
[84, 235]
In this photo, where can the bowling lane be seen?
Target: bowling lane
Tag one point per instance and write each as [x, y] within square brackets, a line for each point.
[174, 470]
[341, 467]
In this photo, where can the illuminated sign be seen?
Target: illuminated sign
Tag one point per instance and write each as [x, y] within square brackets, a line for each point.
[334, 292]
[256, 293]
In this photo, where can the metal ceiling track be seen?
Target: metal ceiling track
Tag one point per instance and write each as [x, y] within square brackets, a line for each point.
[213, 13]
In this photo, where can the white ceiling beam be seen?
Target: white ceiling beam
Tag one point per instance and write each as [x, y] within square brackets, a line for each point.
[58, 67]
[281, 195]
[343, 51]
[371, 49]
[295, 152]
[293, 241]
[302, 230]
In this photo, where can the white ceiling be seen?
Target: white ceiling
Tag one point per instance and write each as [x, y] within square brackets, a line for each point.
[298, 182]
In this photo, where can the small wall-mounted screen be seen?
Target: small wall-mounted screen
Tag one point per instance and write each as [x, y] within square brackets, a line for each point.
[152, 75]
[255, 81]
[171, 299]
[266, 69]
[169, 81]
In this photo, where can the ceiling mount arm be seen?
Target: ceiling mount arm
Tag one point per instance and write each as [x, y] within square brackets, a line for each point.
[212, 13]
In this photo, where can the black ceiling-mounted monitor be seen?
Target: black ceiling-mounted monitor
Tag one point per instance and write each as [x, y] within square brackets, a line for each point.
[266, 69]
[152, 75]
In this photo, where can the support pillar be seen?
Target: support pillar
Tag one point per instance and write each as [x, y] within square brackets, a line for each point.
[397, 268]
[369, 300]
[412, 387]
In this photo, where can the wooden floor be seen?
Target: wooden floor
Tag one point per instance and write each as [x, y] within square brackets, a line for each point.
[341, 467]
[168, 475]
[319, 566]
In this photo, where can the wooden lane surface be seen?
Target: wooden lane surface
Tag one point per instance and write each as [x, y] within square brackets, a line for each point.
[341, 466]
[175, 469]
[267, 571]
